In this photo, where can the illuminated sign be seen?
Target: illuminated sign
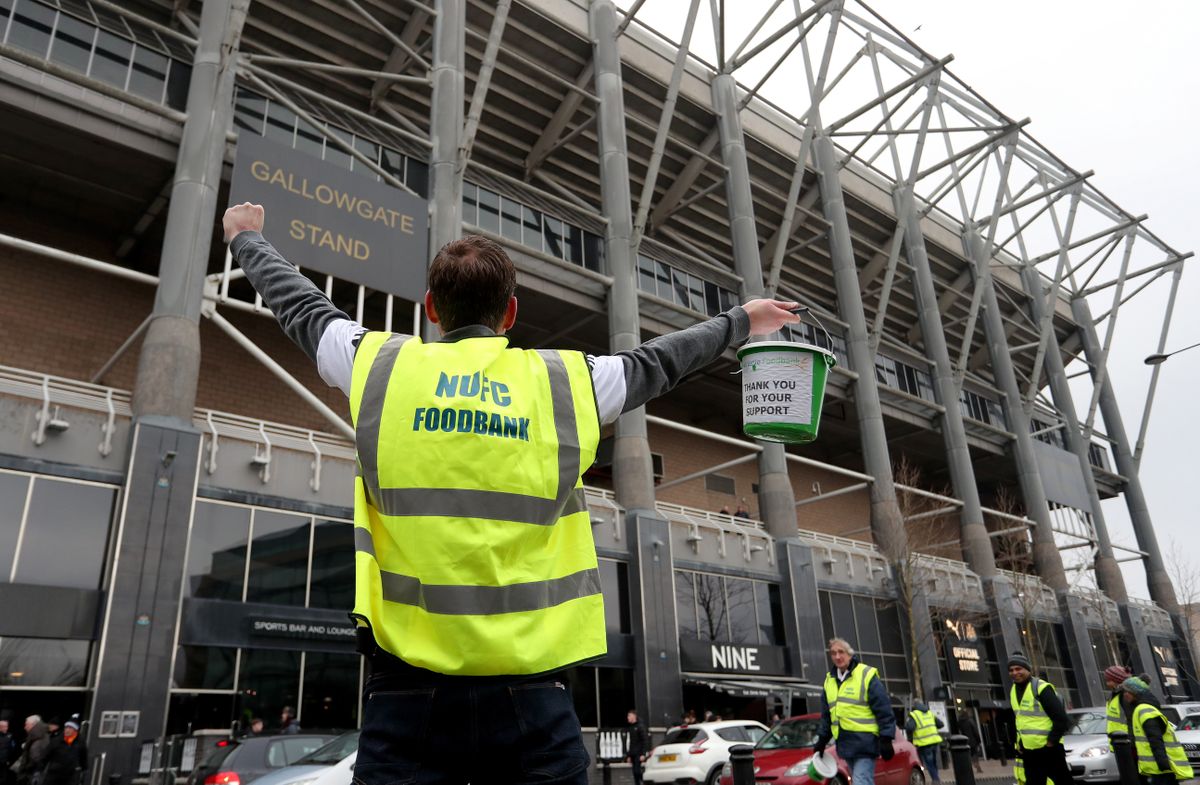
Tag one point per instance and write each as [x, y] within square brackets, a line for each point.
[718, 657]
[323, 217]
[964, 652]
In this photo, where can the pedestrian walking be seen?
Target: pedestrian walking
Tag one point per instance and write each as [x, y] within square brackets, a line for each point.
[9, 752]
[856, 713]
[33, 752]
[288, 724]
[922, 728]
[477, 579]
[1161, 759]
[1041, 722]
[639, 744]
[967, 727]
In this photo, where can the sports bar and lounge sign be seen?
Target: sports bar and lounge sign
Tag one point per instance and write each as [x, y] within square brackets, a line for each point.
[325, 218]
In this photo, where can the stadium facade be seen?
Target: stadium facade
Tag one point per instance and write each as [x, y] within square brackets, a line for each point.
[175, 479]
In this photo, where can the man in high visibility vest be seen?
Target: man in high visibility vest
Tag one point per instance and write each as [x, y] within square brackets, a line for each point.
[476, 575]
[1161, 759]
[857, 713]
[922, 728]
[1041, 722]
[1114, 675]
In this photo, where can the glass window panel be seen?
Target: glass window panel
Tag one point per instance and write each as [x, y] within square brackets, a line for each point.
[309, 139]
[392, 162]
[593, 252]
[613, 584]
[489, 211]
[582, 681]
[685, 603]
[281, 124]
[645, 274]
[217, 552]
[186, 713]
[72, 45]
[268, 681]
[864, 616]
[5, 14]
[842, 611]
[743, 626]
[711, 610]
[278, 558]
[31, 26]
[204, 667]
[696, 293]
[510, 219]
[712, 299]
[13, 488]
[178, 79]
[616, 695]
[531, 220]
[417, 176]
[368, 149]
[826, 615]
[679, 287]
[149, 75]
[335, 154]
[43, 662]
[890, 635]
[729, 299]
[552, 234]
[574, 245]
[470, 201]
[895, 668]
[249, 111]
[332, 583]
[65, 513]
[331, 684]
[110, 63]
[663, 273]
[770, 613]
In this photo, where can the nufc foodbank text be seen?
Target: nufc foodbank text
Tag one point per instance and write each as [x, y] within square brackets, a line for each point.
[433, 418]
[329, 196]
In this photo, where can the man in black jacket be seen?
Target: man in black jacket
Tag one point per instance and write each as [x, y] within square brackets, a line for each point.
[637, 745]
[1040, 762]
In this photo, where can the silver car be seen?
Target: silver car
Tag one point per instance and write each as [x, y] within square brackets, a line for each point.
[1188, 733]
[1087, 749]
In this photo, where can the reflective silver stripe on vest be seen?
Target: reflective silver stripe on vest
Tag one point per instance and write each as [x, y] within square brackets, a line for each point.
[1033, 732]
[853, 702]
[471, 503]
[363, 542]
[489, 600]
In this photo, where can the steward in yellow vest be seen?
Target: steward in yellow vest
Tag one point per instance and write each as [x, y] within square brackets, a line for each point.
[922, 729]
[1114, 711]
[857, 713]
[1041, 722]
[476, 573]
[1161, 759]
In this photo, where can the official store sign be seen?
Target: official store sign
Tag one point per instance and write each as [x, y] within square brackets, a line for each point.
[715, 657]
[299, 628]
[325, 218]
[964, 652]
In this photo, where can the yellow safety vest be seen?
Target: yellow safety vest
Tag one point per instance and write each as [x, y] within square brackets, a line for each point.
[474, 551]
[1033, 724]
[849, 708]
[1019, 772]
[1145, 757]
[925, 732]
[1116, 718]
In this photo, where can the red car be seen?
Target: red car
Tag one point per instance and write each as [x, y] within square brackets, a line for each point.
[781, 758]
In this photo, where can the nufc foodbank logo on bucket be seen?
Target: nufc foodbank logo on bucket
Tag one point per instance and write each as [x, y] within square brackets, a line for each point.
[779, 363]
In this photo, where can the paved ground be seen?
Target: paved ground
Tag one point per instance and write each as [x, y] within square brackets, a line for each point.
[993, 774]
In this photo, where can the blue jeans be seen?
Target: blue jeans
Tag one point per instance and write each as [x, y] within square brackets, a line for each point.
[929, 757]
[434, 730]
[862, 770]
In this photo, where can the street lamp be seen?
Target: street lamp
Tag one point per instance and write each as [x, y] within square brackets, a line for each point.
[1156, 359]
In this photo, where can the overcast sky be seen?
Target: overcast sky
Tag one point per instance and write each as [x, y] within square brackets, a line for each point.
[1108, 88]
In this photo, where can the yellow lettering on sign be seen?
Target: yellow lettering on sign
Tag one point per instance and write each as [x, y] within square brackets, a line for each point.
[320, 237]
[329, 196]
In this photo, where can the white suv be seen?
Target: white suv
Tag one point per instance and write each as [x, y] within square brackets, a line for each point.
[696, 753]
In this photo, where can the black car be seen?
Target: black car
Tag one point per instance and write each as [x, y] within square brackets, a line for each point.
[239, 761]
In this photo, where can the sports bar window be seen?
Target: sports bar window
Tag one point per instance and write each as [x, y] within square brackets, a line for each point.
[722, 608]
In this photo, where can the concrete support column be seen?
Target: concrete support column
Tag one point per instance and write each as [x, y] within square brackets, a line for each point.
[445, 131]
[976, 544]
[1046, 556]
[169, 363]
[887, 523]
[776, 500]
[1108, 573]
[1159, 582]
[658, 679]
[633, 473]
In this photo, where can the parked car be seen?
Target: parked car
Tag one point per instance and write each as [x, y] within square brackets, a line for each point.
[1175, 712]
[1086, 745]
[239, 761]
[340, 773]
[696, 753]
[781, 757]
[305, 770]
[1188, 734]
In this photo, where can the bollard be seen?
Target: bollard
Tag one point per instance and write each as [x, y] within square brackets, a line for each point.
[606, 773]
[960, 756]
[741, 759]
[1123, 752]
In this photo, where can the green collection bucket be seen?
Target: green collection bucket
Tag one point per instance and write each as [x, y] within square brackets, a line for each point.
[783, 388]
[821, 767]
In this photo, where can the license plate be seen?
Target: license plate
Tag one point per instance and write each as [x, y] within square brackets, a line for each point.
[667, 758]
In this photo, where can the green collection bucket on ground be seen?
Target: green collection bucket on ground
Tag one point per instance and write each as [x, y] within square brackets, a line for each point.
[783, 388]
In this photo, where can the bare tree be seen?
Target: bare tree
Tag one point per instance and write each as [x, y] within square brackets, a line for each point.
[1014, 553]
[1186, 577]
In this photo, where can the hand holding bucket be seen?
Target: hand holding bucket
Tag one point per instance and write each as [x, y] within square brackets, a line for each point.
[821, 767]
[783, 388]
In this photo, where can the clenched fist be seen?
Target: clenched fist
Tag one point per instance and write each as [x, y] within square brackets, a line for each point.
[768, 316]
[244, 217]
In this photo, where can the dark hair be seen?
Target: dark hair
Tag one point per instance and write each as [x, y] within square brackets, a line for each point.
[471, 281]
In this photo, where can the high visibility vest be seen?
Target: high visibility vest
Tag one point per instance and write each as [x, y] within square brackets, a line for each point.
[1019, 772]
[474, 552]
[925, 732]
[1033, 724]
[1116, 718]
[849, 708]
[1145, 757]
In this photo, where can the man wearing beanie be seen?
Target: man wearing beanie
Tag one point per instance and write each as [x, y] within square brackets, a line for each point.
[1041, 723]
[1160, 757]
[1118, 722]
